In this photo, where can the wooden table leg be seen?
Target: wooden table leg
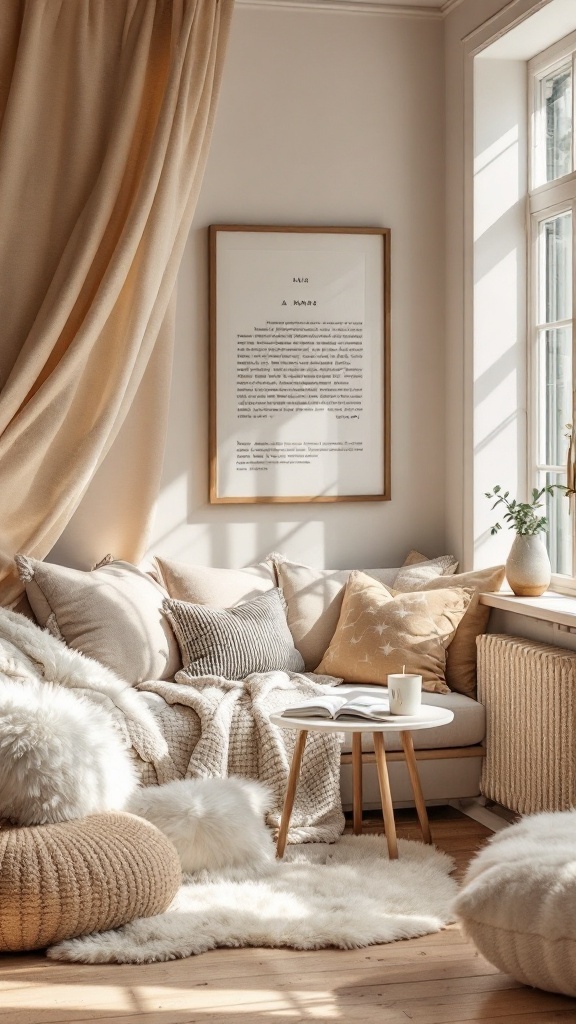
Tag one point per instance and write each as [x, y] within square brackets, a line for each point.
[357, 781]
[408, 747]
[386, 796]
[291, 791]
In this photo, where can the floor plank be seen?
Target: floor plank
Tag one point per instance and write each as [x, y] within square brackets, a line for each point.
[435, 979]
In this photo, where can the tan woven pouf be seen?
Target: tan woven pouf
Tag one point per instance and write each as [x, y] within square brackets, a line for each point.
[77, 877]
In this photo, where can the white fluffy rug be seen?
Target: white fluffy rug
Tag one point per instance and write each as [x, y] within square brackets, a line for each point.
[347, 894]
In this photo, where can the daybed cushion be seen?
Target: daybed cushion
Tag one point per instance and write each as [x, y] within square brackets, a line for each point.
[233, 642]
[461, 655]
[518, 898]
[378, 634]
[221, 588]
[314, 599]
[467, 729]
[113, 614]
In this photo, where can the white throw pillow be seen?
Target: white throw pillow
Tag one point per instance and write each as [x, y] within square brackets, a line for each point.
[61, 756]
[213, 823]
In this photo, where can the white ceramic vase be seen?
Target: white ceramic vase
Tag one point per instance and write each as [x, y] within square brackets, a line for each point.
[528, 567]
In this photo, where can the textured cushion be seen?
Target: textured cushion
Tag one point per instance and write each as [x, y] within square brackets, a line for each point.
[378, 634]
[467, 728]
[77, 877]
[233, 642]
[314, 599]
[113, 614]
[461, 657]
[518, 898]
[222, 588]
[418, 573]
[415, 557]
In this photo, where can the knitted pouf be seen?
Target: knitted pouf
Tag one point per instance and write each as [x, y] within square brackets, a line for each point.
[518, 902]
[82, 876]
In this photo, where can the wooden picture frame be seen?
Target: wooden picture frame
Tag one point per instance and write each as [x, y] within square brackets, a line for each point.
[299, 364]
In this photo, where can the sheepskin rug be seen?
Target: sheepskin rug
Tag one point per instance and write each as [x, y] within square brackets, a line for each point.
[213, 823]
[346, 894]
[61, 757]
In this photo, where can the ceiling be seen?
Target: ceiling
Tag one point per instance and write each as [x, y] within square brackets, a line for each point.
[411, 8]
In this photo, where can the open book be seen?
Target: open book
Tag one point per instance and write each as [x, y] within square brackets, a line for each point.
[331, 706]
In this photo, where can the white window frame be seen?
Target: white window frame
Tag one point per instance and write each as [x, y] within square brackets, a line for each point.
[546, 201]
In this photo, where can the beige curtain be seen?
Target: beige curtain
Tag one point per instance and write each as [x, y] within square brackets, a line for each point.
[106, 111]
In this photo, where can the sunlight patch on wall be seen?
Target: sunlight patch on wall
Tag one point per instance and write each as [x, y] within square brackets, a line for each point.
[496, 186]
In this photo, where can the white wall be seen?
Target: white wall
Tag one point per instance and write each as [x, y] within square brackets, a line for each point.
[325, 118]
[499, 359]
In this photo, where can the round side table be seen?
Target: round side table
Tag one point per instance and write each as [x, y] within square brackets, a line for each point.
[427, 718]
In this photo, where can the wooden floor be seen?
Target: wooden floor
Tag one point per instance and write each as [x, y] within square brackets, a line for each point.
[433, 980]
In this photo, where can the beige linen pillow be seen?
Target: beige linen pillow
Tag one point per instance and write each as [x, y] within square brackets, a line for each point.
[113, 614]
[314, 598]
[461, 661]
[378, 633]
[221, 588]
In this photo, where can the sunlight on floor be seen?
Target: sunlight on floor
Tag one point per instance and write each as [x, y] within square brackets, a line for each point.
[147, 999]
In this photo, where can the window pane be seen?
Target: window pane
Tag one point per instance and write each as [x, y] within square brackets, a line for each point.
[557, 111]
[556, 274]
[554, 394]
[559, 537]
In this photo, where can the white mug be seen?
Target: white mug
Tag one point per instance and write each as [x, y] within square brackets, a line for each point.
[405, 693]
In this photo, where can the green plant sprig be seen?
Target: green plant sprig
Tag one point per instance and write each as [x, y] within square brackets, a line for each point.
[523, 516]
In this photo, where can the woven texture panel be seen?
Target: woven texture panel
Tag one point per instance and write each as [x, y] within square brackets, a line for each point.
[77, 877]
[529, 690]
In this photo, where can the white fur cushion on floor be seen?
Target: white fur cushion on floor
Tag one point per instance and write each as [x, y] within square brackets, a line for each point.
[61, 756]
[213, 823]
[518, 903]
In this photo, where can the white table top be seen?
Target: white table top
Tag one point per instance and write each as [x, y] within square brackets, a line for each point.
[428, 717]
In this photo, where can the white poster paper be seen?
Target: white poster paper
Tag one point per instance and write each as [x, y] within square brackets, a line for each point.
[299, 366]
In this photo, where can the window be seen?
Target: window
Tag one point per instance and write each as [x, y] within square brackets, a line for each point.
[552, 209]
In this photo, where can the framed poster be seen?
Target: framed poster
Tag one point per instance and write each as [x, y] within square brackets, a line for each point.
[299, 364]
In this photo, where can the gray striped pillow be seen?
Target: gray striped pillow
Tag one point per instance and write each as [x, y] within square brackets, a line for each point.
[233, 642]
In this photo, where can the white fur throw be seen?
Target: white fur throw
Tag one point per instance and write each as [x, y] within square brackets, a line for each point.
[60, 756]
[518, 903]
[213, 823]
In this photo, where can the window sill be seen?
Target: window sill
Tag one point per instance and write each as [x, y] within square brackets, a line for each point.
[550, 607]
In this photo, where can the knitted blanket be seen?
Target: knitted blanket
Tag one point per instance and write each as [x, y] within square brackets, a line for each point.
[215, 727]
[222, 727]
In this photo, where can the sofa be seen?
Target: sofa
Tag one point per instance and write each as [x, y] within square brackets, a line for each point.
[129, 620]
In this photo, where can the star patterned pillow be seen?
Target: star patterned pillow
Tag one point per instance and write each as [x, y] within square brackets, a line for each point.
[379, 633]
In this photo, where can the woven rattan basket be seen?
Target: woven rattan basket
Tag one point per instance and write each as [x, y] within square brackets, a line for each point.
[77, 877]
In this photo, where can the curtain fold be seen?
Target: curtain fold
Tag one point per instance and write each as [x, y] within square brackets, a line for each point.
[106, 113]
